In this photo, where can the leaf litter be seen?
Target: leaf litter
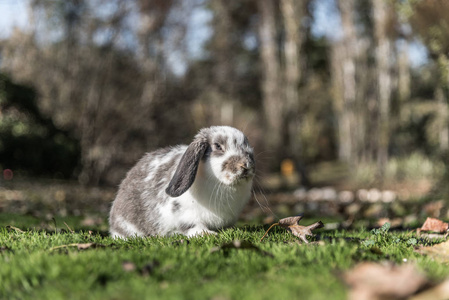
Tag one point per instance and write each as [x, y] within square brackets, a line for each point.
[292, 225]
[10, 227]
[435, 225]
[80, 246]
[378, 281]
[439, 251]
[374, 281]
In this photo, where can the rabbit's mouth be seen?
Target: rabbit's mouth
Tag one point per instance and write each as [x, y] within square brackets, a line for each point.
[245, 174]
[233, 179]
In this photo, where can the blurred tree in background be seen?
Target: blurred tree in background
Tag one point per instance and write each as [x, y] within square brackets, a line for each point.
[114, 79]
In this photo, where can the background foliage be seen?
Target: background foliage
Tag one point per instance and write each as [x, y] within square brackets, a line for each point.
[89, 86]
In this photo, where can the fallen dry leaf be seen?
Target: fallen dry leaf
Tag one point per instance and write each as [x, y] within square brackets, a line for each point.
[290, 221]
[80, 246]
[303, 231]
[432, 224]
[438, 251]
[128, 266]
[89, 245]
[438, 292]
[15, 228]
[292, 225]
[373, 281]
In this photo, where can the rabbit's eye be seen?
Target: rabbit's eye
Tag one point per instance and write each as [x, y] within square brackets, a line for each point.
[218, 147]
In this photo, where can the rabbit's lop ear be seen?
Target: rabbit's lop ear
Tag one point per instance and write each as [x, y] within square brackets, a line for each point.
[186, 171]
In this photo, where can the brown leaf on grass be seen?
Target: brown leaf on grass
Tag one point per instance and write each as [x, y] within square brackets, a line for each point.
[238, 244]
[438, 251]
[290, 221]
[432, 224]
[438, 292]
[80, 246]
[373, 281]
[14, 228]
[291, 224]
[89, 245]
[128, 266]
[303, 231]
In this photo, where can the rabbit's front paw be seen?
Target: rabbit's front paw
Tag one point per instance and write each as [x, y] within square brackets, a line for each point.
[199, 231]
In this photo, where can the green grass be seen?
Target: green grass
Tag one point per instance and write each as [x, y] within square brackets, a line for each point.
[30, 266]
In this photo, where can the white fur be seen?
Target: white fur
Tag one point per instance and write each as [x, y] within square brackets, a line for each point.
[210, 202]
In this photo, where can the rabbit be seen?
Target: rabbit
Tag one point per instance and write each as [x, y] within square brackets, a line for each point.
[189, 190]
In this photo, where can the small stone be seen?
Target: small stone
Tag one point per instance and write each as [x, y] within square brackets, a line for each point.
[374, 195]
[388, 196]
[315, 194]
[362, 195]
[346, 196]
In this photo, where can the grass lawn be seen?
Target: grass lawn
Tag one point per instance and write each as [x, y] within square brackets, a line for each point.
[32, 265]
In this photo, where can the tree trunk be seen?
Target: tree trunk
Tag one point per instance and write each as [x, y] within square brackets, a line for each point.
[344, 58]
[271, 75]
[403, 71]
[383, 54]
[292, 12]
[222, 44]
[442, 94]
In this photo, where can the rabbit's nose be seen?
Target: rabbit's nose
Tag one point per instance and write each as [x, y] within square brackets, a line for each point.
[248, 165]
[245, 165]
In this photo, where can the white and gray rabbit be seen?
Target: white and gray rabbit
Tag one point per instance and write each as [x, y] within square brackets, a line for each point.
[188, 190]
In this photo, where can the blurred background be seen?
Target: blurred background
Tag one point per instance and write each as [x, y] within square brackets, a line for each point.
[340, 98]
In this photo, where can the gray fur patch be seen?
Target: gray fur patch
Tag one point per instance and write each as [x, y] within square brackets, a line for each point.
[252, 163]
[245, 141]
[221, 140]
[232, 164]
[118, 230]
[184, 227]
[236, 145]
[137, 199]
[175, 207]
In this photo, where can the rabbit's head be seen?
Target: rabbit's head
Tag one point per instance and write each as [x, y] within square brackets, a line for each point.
[224, 154]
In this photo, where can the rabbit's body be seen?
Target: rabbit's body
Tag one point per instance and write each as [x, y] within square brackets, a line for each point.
[186, 189]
